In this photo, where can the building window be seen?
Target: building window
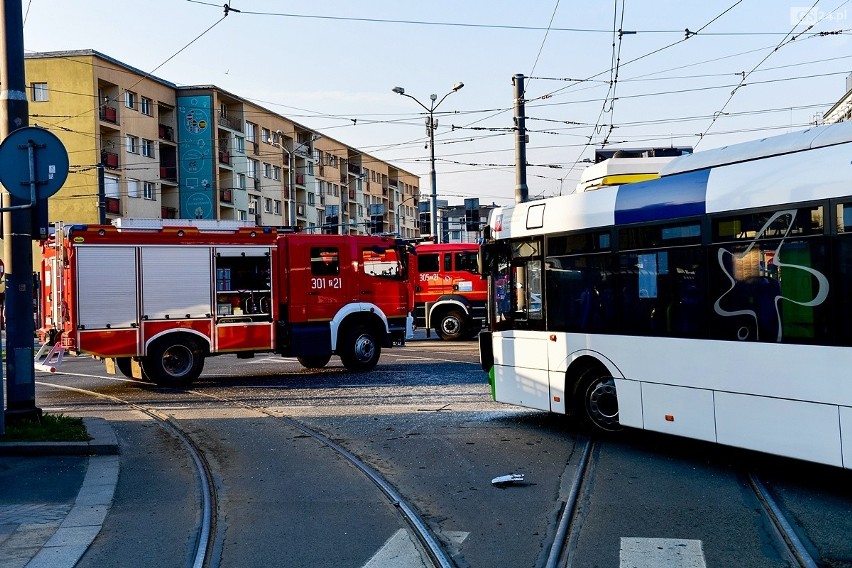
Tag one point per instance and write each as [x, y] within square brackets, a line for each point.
[277, 205]
[311, 199]
[276, 172]
[148, 148]
[240, 144]
[148, 190]
[267, 170]
[267, 205]
[129, 99]
[132, 144]
[250, 130]
[132, 188]
[251, 170]
[146, 106]
[111, 188]
[39, 92]
[241, 216]
[264, 135]
[241, 179]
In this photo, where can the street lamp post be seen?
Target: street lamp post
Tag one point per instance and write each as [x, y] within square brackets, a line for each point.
[291, 164]
[398, 207]
[430, 130]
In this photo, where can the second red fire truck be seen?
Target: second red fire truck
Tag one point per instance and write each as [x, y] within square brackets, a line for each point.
[449, 294]
[156, 297]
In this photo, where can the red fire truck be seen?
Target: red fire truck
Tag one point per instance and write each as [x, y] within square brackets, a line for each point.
[155, 297]
[449, 294]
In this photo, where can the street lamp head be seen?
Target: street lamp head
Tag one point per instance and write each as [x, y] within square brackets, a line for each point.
[433, 97]
[458, 86]
[399, 90]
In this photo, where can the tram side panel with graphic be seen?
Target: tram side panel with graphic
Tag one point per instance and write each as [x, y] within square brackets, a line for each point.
[155, 302]
[449, 293]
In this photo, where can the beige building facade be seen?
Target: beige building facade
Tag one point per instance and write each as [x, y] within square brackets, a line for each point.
[143, 147]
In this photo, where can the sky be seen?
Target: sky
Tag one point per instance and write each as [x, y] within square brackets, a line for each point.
[684, 73]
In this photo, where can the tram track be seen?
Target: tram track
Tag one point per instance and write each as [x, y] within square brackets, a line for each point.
[784, 529]
[205, 543]
[570, 522]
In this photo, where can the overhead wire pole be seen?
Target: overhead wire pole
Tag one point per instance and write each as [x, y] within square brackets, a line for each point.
[17, 229]
[430, 130]
[521, 189]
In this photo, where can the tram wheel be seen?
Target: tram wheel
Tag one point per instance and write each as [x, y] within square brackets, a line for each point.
[595, 401]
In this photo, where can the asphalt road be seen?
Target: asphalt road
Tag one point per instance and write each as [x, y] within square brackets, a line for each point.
[424, 420]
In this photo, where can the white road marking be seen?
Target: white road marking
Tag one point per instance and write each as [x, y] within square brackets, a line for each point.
[400, 551]
[456, 537]
[654, 552]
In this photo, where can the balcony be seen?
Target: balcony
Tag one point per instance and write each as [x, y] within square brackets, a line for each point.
[168, 212]
[226, 196]
[109, 114]
[167, 133]
[354, 169]
[230, 123]
[168, 173]
[109, 159]
[113, 205]
[300, 179]
[225, 158]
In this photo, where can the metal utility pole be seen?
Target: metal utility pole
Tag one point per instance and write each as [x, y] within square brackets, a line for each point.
[431, 124]
[521, 190]
[17, 229]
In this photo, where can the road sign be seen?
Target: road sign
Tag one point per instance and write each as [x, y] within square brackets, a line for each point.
[50, 161]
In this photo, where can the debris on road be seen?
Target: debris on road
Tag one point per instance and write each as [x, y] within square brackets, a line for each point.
[504, 480]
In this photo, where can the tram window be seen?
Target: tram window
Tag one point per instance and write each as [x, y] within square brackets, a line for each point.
[844, 217]
[842, 302]
[652, 236]
[578, 243]
[662, 293]
[771, 291]
[525, 249]
[770, 224]
[580, 293]
[448, 262]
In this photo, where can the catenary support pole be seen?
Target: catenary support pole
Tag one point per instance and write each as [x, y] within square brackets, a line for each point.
[17, 229]
[521, 190]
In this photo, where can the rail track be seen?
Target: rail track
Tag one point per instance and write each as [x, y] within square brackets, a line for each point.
[205, 541]
[786, 531]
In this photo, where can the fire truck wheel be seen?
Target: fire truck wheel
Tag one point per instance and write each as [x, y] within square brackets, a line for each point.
[451, 326]
[123, 365]
[316, 362]
[173, 361]
[361, 349]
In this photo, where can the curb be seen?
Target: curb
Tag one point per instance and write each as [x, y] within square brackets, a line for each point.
[103, 443]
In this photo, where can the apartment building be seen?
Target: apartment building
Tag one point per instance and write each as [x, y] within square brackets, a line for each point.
[143, 147]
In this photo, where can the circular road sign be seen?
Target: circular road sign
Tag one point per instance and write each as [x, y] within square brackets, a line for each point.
[49, 156]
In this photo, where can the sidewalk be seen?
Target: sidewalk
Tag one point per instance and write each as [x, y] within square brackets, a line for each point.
[54, 497]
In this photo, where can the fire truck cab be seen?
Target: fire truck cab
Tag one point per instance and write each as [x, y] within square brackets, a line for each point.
[449, 295]
[156, 297]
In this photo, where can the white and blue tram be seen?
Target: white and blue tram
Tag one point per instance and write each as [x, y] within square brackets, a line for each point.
[714, 302]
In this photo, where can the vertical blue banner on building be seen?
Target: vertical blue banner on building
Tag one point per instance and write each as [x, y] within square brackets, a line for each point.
[195, 162]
